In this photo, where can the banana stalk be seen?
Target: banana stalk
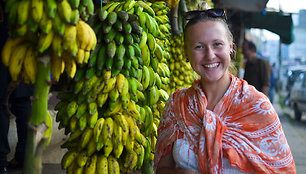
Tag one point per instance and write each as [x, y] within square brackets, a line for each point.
[36, 141]
[173, 20]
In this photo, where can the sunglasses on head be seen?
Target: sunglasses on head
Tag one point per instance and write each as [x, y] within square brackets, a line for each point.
[213, 13]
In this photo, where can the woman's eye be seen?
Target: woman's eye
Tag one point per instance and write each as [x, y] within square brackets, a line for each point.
[218, 44]
[198, 46]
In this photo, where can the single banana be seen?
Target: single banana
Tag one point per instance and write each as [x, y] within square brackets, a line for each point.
[98, 128]
[69, 38]
[64, 10]
[30, 64]
[108, 147]
[23, 11]
[86, 136]
[17, 59]
[108, 128]
[90, 167]
[120, 119]
[8, 48]
[37, 9]
[45, 41]
[113, 165]
[68, 158]
[82, 158]
[102, 164]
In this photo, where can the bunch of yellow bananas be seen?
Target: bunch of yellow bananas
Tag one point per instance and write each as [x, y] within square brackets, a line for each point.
[113, 107]
[46, 15]
[37, 26]
[182, 75]
[198, 4]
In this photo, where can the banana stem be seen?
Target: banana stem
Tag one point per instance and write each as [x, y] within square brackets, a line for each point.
[173, 20]
[36, 126]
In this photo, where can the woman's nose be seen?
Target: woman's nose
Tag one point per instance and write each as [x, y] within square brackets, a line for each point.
[209, 53]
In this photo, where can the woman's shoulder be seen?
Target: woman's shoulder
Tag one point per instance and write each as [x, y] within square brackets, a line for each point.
[242, 90]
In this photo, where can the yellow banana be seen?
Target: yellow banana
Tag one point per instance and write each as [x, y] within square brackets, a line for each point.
[68, 158]
[108, 147]
[57, 64]
[30, 64]
[80, 56]
[108, 128]
[102, 164]
[117, 135]
[120, 84]
[45, 41]
[45, 24]
[98, 128]
[93, 39]
[23, 11]
[73, 123]
[17, 60]
[9, 48]
[64, 10]
[82, 158]
[118, 150]
[70, 64]
[113, 165]
[101, 98]
[69, 38]
[130, 160]
[83, 34]
[37, 10]
[132, 111]
[86, 136]
[90, 167]
[110, 85]
[120, 119]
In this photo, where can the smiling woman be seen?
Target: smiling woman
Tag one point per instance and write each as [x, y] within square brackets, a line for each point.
[220, 124]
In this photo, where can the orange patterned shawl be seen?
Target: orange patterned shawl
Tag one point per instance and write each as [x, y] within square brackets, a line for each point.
[243, 127]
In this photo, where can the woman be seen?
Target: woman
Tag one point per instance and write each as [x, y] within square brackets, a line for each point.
[220, 124]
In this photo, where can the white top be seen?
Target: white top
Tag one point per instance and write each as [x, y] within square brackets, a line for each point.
[187, 159]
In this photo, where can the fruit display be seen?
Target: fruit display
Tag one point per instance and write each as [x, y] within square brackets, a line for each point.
[182, 75]
[118, 64]
[198, 5]
[111, 107]
[38, 28]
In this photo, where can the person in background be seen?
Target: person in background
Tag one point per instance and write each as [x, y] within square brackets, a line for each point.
[220, 124]
[272, 83]
[19, 104]
[257, 70]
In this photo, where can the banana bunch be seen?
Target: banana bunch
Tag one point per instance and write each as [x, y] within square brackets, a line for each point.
[182, 75]
[198, 5]
[170, 3]
[48, 27]
[112, 107]
[45, 15]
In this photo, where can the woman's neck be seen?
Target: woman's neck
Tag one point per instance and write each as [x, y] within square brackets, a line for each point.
[215, 91]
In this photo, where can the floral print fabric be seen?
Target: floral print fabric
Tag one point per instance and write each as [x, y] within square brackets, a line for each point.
[243, 127]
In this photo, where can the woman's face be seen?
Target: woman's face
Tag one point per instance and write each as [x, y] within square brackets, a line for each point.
[208, 50]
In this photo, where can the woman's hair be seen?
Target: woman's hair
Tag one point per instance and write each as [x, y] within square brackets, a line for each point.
[204, 18]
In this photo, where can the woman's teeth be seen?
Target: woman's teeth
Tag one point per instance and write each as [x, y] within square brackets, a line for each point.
[211, 65]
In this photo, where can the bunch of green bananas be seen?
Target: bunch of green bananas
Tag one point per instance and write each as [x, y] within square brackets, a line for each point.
[182, 75]
[113, 106]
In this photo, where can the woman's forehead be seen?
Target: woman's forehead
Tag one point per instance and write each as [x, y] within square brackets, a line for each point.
[207, 28]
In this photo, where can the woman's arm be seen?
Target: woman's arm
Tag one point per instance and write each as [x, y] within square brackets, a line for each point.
[166, 165]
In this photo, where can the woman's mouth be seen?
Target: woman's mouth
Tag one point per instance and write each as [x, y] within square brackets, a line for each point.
[213, 65]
